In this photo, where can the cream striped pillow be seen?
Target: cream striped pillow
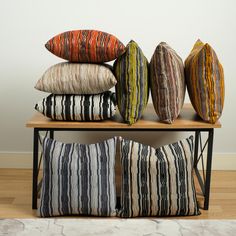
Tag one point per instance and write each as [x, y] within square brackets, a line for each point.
[157, 182]
[75, 78]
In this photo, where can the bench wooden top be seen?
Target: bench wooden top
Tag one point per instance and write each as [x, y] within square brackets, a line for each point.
[187, 119]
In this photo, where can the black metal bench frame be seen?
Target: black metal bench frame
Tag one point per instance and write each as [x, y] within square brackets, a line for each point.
[203, 176]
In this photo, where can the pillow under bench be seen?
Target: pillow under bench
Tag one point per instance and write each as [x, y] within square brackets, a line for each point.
[78, 179]
[157, 182]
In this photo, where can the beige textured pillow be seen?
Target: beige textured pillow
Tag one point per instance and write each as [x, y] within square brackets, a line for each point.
[157, 182]
[74, 78]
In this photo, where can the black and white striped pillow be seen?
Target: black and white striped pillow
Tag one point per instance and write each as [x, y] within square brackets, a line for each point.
[78, 179]
[157, 182]
[78, 107]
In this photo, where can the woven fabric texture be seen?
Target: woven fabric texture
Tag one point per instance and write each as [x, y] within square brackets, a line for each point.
[205, 82]
[167, 83]
[78, 107]
[78, 179]
[157, 182]
[132, 88]
[85, 46]
[76, 78]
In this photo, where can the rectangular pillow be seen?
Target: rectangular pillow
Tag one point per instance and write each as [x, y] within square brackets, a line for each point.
[78, 107]
[78, 179]
[91, 46]
[75, 78]
[132, 88]
[167, 82]
[157, 182]
[205, 82]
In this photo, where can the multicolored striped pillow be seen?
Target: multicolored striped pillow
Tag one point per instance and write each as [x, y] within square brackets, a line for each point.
[85, 46]
[78, 179]
[167, 82]
[131, 71]
[205, 82]
[78, 107]
[76, 78]
[157, 182]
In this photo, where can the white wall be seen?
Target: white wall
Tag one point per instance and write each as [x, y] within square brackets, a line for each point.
[26, 25]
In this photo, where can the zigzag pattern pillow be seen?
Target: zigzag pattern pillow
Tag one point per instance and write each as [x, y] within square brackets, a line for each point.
[78, 179]
[78, 107]
[157, 182]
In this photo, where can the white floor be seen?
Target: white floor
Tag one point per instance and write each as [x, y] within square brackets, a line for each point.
[122, 227]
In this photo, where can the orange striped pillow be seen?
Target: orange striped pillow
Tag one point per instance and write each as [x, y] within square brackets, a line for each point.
[205, 82]
[85, 46]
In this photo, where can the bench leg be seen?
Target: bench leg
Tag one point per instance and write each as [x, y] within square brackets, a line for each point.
[196, 145]
[203, 176]
[208, 168]
[35, 169]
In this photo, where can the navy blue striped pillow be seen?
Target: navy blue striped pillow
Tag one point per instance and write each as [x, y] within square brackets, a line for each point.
[78, 179]
[157, 182]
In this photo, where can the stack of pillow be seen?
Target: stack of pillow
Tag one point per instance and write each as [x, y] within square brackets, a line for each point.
[80, 88]
[154, 182]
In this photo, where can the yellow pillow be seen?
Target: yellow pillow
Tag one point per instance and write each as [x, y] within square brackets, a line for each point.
[205, 82]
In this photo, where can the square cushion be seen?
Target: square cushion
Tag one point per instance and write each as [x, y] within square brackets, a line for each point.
[78, 107]
[131, 71]
[78, 179]
[205, 82]
[157, 182]
[76, 78]
[167, 82]
[85, 46]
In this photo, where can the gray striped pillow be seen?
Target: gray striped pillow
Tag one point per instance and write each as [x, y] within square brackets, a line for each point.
[157, 182]
[76, 78]
[78, 179]
[78, 107]
[167, 83]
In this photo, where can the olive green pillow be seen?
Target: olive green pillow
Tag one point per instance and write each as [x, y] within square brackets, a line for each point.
[131, 71]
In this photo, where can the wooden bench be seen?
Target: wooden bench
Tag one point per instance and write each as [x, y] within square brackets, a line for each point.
[188, 121]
